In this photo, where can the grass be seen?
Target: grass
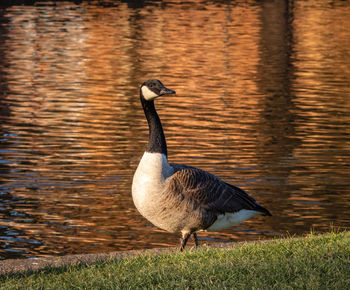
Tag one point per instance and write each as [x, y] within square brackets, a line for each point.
[312, 262]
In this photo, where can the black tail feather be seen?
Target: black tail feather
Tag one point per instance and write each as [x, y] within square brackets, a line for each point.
[263, 210]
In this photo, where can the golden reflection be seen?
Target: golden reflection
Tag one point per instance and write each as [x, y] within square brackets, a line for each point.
[261, 101]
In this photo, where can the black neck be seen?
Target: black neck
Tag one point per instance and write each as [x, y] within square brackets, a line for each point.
[157, 142]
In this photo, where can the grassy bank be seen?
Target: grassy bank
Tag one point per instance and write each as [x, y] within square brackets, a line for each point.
[312, 262]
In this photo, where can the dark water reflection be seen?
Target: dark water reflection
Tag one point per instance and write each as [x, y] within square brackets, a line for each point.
[263, 101]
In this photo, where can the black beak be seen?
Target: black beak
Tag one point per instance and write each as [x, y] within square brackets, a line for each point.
[166, 91]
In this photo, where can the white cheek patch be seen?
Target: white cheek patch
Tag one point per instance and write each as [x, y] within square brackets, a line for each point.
[148, 94]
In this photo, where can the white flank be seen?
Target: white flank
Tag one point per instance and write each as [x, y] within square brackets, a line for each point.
[230, 219]
[148, 94]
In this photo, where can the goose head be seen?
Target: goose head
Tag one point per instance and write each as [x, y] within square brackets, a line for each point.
[153, 89]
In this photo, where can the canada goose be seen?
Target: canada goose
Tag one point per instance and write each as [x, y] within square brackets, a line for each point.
[179, 198]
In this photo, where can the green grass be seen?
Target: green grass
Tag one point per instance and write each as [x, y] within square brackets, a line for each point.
[312, 262]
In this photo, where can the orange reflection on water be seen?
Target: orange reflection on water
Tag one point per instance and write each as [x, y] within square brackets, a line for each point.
[261, 101]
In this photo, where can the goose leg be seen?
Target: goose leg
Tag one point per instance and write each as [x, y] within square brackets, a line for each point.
[195, 239]
[184, 239]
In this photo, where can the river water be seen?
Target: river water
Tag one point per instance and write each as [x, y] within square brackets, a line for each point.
[263, 101]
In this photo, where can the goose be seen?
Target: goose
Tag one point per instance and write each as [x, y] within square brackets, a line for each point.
[179, 198]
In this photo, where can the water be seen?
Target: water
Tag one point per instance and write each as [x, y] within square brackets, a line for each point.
[263, 99]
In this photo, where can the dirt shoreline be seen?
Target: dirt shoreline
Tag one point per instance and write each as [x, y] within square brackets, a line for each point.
[18, 266]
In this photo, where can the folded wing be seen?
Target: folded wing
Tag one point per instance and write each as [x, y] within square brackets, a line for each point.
[210, 192]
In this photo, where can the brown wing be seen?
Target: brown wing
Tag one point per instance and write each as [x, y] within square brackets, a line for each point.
[210, 192]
